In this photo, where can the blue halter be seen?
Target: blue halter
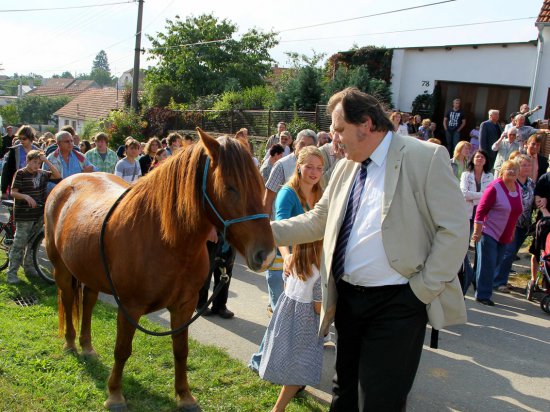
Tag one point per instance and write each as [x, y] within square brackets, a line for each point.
[226, 223]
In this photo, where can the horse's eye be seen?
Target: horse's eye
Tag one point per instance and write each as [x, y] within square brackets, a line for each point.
[232, 190]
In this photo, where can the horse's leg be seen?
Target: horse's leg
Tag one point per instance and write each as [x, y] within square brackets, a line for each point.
[88, 302]
[66, 284]
[178, 316]
[123, 350]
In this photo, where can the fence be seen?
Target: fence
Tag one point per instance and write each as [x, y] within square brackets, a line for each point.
[258, 122]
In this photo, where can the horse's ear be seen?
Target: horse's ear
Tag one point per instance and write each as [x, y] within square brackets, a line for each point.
[211, 145]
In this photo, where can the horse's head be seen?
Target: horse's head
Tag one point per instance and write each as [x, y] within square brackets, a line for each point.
[234, 199]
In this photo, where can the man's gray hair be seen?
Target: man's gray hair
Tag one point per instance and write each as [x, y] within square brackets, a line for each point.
[493, 111]
[61, 135]
[519, 116]
[307, 132]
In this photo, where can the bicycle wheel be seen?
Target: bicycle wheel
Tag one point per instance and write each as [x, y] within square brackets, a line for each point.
[6, 240]
[40, 258]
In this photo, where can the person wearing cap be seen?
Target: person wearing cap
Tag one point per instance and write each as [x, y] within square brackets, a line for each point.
[489, 133]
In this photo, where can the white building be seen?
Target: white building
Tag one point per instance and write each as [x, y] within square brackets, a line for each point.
[485, 76]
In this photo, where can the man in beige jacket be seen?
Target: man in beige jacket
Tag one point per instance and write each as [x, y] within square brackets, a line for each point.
[395, 233]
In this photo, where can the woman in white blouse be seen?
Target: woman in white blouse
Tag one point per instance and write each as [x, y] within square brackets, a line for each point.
[473, 182]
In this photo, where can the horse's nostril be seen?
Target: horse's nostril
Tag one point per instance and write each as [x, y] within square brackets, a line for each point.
[260, 257]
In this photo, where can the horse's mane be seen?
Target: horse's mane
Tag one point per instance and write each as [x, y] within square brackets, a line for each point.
[172, 191]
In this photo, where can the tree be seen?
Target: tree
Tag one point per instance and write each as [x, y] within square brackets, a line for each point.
[101, 62]
[9, 114]
[192, 67]
[302, 90]
[101, 73]
[39, 109]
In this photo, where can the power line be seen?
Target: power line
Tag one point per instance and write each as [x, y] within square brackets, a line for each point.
[367, 16]
[67, 8]
[409, 30]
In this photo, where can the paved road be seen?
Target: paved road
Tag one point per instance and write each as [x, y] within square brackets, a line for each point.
[496, 362]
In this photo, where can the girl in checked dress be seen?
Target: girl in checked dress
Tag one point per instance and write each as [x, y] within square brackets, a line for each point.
[293, 351]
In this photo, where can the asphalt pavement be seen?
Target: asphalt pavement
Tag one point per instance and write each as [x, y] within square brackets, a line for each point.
[498, 361]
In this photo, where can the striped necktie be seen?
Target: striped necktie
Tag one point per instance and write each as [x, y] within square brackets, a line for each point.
[339, 256]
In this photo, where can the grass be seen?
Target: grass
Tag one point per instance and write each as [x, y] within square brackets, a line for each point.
[36, 375]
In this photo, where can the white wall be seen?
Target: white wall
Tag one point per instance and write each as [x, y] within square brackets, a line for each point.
[543, 82]
[76, 123]
[414, 72]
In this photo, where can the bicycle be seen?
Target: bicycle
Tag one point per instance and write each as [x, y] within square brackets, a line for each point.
[41, 263]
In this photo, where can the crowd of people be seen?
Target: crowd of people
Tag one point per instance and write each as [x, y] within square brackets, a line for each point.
[337, 260]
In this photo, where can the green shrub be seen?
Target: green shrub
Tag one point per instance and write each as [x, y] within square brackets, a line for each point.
[90, 128]
[121, 124]
[297, 124]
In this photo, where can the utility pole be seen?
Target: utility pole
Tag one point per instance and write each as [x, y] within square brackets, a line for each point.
[135, 83]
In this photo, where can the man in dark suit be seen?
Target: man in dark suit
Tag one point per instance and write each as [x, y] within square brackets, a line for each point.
[539, 163]
[489, 133]
[7, 140]
[395, 232]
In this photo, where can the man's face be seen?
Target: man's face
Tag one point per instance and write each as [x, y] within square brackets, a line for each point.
[285, 140]
[281, 127]
[277, 156]
[494, 117]
[306, 141]
[323, 138]
[524, 108]
[65, 144]
[101, 146]
[9, 130]
[520, 121]
[351, 136]
[177, 144]
[132, 151]
[456, 104]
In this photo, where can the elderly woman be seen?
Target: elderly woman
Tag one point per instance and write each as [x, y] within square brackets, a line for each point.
[459, 162]
[527, 186]
[504, 146]
[497, 214]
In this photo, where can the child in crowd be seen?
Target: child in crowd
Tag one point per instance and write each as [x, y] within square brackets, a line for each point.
[293, 351]
[129, 168]
[160, 156]
[29, 191]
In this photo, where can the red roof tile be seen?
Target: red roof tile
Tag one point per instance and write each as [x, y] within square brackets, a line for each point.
[544, 15]
[51, 92]
[92, 104]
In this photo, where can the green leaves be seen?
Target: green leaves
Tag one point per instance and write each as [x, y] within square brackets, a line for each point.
[198, 56]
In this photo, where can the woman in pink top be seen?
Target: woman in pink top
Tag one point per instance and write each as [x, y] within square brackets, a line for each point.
[497, 213]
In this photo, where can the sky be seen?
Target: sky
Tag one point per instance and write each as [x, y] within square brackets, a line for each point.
[49, 42]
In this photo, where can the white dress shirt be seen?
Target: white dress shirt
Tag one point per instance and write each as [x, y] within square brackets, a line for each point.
[366, 261]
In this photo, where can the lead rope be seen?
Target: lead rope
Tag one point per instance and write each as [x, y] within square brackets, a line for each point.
[223, 281]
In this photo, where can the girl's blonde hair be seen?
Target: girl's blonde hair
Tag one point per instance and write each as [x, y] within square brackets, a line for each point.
[306, 255]
[459, 148]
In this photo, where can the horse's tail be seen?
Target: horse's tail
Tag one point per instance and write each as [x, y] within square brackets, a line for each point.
[76, 309]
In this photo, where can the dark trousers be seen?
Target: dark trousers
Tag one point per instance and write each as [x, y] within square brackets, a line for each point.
[218, 259]
[380, 336]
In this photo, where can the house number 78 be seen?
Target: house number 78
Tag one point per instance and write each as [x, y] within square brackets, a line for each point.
[425, 83]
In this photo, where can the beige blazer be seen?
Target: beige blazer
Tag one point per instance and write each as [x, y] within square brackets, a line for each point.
[425, 229]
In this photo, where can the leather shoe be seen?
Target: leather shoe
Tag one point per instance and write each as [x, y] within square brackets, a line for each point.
[208, 312]
[224, 313]
[486, 302]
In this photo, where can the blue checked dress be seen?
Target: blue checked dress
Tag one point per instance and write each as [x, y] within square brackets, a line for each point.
[293, 352]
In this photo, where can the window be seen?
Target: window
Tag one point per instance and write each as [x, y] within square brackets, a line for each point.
[66, 122]
[74, 124]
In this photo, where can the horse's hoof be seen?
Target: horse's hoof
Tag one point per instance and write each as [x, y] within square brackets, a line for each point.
[70, 349]
[189, 408]
[121, 407]
[89, 354]
[115, 404]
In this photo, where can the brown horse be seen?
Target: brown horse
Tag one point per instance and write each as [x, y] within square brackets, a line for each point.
[155, 243]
